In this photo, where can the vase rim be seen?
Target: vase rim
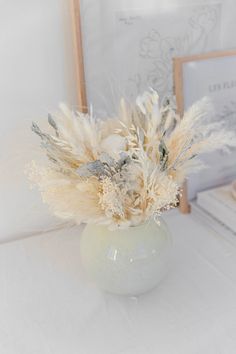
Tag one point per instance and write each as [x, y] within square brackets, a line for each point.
[152, 218]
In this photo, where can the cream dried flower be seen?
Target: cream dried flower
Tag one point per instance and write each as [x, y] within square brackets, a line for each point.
[122, 171]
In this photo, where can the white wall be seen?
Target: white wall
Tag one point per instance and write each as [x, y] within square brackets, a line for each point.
[36, 73]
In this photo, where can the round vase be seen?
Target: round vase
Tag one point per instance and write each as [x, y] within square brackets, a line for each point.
[126, 261]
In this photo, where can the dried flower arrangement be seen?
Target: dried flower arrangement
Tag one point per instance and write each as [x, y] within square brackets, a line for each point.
[121, 171]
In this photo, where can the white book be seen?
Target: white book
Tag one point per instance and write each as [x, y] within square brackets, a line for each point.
[220, 203]
[214, 224]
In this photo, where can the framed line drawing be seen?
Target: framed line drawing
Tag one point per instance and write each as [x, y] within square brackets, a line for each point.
[81, 82]
[213, 75]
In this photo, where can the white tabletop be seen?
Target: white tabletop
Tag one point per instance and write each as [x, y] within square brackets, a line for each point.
[48, 307]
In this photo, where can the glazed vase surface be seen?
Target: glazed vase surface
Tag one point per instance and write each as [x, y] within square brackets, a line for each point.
[126, 261]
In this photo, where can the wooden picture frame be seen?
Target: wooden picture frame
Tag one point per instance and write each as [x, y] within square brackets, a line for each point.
[81, 83]
[178, 64]
[178, 73]
[79, 57]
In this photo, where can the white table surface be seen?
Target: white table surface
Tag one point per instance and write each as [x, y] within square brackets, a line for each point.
[48, 307]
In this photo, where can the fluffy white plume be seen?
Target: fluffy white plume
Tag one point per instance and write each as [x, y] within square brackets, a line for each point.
[121, 171]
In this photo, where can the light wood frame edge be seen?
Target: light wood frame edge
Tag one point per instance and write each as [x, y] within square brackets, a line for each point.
[184, 205]
[79, 56]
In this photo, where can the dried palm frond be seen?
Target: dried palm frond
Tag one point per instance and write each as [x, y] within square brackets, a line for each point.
[121, 171]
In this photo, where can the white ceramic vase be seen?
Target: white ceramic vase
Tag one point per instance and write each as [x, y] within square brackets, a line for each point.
[126, 262]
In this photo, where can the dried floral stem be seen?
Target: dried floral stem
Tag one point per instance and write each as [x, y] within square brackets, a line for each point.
[122, 171]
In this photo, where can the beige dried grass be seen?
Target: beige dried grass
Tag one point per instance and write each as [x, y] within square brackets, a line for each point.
[121, 171]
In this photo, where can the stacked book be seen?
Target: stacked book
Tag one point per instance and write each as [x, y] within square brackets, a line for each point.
[217, 205]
